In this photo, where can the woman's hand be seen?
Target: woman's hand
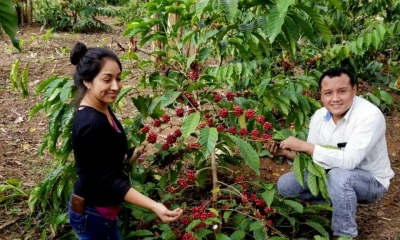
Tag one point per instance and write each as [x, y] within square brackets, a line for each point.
[139, 155]
[165, 214]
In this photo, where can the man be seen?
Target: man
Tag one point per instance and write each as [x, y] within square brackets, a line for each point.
[360, 171]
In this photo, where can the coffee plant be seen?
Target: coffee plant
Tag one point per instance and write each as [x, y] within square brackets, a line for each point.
[222, 80]
[76, 15]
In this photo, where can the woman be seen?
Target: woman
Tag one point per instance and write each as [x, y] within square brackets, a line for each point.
[100, 147]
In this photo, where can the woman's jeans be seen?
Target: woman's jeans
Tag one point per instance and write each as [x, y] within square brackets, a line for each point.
[92, 225]
[346, 188]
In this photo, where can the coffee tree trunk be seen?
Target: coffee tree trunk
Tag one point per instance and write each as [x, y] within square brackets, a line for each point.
[173, 19]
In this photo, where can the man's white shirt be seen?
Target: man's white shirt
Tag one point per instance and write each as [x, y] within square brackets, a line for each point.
[363, 130]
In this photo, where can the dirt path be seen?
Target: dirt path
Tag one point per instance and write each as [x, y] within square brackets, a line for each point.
[20, 138]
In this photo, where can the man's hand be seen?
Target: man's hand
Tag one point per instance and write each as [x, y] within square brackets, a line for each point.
[276, 150]
[297, 145]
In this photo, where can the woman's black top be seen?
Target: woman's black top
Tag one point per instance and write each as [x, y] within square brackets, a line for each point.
[99, 153]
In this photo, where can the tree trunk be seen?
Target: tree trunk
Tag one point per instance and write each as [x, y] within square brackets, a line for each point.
[24, 10]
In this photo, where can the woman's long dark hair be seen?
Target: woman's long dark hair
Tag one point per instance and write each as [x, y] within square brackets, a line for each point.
[88, 62]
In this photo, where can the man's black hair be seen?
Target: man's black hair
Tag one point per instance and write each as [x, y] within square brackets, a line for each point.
[337, 72]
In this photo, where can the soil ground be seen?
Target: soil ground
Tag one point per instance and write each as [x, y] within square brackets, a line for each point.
[20, 137]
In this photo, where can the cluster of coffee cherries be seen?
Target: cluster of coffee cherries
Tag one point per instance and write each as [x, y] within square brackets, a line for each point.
[250, 114]
[198, 212]
[194, 73]
[184, 182]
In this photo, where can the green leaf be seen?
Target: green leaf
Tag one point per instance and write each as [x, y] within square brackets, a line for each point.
[313, 102]
[318, 20]
[262, 42]
[221, 236]
[274, 23]
[66, 90]
[24, 81]
[192, 225]
[9, 20]
[298, 168]
[368, 40]
[304, 25]
[319, 228]
[256, 225]
[282, 6]
[238, 235]
[375, 39]
[226, 215]
[249, 155]
[312, 169]
[303, 104]
[263, 85]
[121, 94]
[204, 54]
[35, 109]
[312, 183]
[203, 232]
[337, 5]
[168, 98]
[190, 60]
[268, 196]
[282, 134]
[381, 32]
[386, 97]
[190, 123]
[200, 7]
[44, 84]
[230, 7]
[260, 234]
[374, 99]
[14, 73]
[142, 104]
[290, 38]
[208, 139]
[140, 233]
[239, 46]
[295, 205]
